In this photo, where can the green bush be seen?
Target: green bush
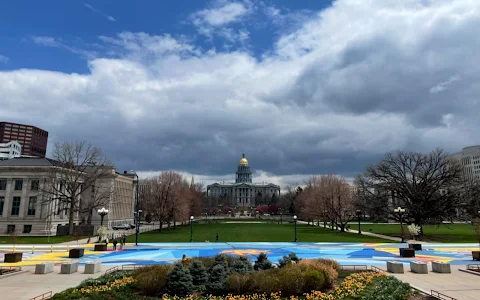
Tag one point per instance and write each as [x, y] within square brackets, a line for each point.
[221, 259]
[151, 281]
[262, 263]
[102, 280]
[217, 281]
[266, 281]
[313, 281]
[388, 288]
[199, 274]
[288, 259]
[179, 281]
[247, 262]
[329, 273]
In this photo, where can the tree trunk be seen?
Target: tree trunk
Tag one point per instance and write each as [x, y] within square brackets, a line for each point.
[160, 224]
[71, 215]
[342, 227]
[89, 218]
[174, 222]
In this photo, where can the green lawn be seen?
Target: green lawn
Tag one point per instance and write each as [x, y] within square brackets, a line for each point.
[37, 239]
[264, 232]
[450, 233]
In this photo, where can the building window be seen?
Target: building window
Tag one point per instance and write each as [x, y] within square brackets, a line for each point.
[3, 184]
[10, 228]
[16, 206]
[2, 203]
[32, 204]
[34, 185]
[27, 228]
[18, 184]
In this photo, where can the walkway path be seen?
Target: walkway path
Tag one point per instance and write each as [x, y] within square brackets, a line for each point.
[28, 285]
[459, 285]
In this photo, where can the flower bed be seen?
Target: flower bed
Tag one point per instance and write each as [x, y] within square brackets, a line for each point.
[224, 277]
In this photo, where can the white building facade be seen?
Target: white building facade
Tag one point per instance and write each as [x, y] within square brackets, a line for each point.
[469, 157]
[10, 150]
[25, 209]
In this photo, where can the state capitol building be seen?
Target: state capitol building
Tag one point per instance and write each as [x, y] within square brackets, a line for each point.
[243, 192]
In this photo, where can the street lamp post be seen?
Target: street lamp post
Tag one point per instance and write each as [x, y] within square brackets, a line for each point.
[137, 211]
[295, 222]
[359, 214]
[102, 212]
[281, 216]
[325, 219]
[400, 211]
[191, 229]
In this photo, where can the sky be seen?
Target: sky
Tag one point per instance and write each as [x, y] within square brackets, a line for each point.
[300, 87]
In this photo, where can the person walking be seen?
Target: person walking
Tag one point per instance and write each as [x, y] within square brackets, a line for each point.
[115, 244]
[216, 238]
[124, 239]
[121, 242]
[106, 241]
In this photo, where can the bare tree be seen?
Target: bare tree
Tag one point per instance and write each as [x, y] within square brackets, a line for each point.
[78, 166]
[426, 185]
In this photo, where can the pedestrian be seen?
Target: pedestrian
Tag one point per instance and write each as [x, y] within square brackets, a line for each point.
[121, 243]
[216, 238]
[124, 239]
[106, 241]
[115, 244]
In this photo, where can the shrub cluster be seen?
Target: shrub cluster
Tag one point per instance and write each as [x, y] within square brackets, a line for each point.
[215, 276]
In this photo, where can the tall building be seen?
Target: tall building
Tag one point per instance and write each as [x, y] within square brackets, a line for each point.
[243, 192]
[469, 157]
[10, 150]
[33, 139]
[24, 208]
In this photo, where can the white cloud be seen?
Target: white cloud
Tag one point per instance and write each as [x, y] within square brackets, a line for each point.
[95, 10]
[221, 14]
[444, 85]
[4, 59]
[349, 85]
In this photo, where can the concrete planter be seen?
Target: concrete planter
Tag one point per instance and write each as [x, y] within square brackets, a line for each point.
[76, 253]
[440, 267]
[415, 246]
[407, 252]
[395, 267]
[100, 247]
[476, 255]
[419, 267]
[13, 257]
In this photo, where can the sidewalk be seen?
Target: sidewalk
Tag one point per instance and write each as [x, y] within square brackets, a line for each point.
[459, 285]
[29, 285]
[386, 237]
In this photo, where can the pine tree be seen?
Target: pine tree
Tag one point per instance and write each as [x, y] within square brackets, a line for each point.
[248, 263]
[199, 274]
[217, 282]
[262, 262]
[239, 267]
[179, 281]
[221, 259]
[288, 259]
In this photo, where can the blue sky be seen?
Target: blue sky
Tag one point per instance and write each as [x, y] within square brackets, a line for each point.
[78, 24]
[301, 87]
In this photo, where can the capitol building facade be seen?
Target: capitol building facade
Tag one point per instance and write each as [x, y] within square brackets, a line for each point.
[243, 193]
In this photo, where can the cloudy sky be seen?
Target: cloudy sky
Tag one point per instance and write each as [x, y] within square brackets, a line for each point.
[302, 87]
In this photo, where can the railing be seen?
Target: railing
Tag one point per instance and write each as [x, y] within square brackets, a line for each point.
[123, 268]
[376, 269]
[441, 296]
[475, 267]
[46, 295]
[6, 270]
[354, 267]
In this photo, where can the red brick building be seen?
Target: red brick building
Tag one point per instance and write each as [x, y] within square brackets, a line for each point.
[33, 139]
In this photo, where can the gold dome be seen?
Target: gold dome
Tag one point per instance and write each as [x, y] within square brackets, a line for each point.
[243, 161]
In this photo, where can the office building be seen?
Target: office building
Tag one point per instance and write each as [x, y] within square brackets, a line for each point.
[10, 150]
[25, 208]
[33, 139]
[469, 157]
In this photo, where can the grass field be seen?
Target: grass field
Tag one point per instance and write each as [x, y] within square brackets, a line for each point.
[37, 239]
[247, 232]
[450, 233]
